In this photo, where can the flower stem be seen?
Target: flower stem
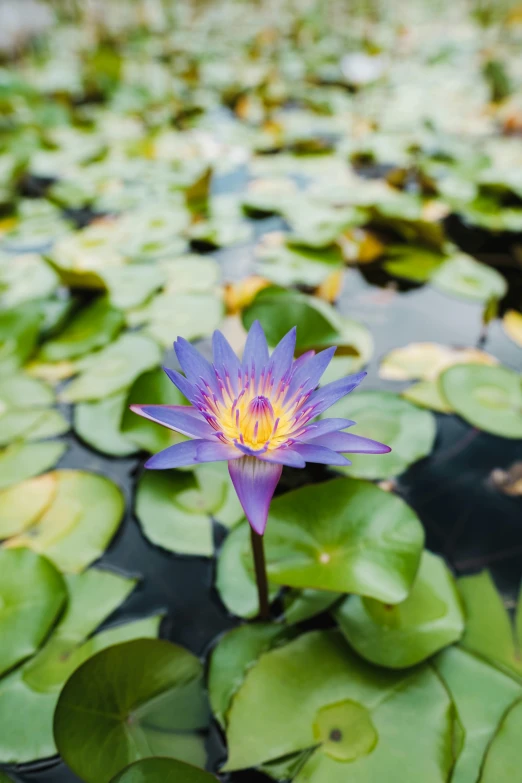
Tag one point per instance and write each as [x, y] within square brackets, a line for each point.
[260, 569]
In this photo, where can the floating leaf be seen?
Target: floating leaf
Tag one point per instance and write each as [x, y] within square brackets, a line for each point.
[24, 278]
[98, 424]
[28, 696]
[18, 335]
[318, 326]
[463, 276]
[32, 593]
[162, 770]
[113, 369]
[481, 695]
[314, 693]
[78, 525]
[295, 265]
[427, 394]
[415, 263]
[512, 324]
[22, 504]
[345, 536]
[157, 713]
[166, 521]
[82, 258]
[190, 274]
[92, 328]
[23, 411]
[236, 653]
[153, 388]
[383, 416]
[301, 605]
[425, 361]
[192, 315]
[21, 461]
[489, 398]
[403, 635]
[235, 580]
[504, 756]
[130, 286]
[489, 631]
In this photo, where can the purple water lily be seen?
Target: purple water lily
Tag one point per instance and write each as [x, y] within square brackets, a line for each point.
[258, 414]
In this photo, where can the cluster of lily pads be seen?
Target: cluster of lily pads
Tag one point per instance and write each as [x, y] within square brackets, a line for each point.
[167, 170]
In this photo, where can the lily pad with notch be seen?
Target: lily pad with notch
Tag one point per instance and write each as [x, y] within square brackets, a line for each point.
[345, 536]
[489, 398]
[28, 696]
[32, 594]
[386, 417]
[162, 712]
[78, 524]
[322, 698]
[21, 461]
[407, 633]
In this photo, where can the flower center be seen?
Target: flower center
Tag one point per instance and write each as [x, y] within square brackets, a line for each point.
[258, 421]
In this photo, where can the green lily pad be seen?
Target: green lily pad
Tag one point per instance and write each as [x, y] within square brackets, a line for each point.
[162, 770]
[482, 695]
[158, 712]
[166, 521]
[32, 593]
[152, 388]
[489, 398]
[193, 315]
[24, 278]
[98, 424]
[235, 581]
[385, 417]
[90, 329]
[113, 369]
[278, 310]
[28, 696]
[236, 653]
[21, 461]
[82, 258]
[489, 630]
[22, 504]
[403, 635]
[289, 265]
[314, 693]
[19, 331]
[427, 394]
[75, 529]
[504, 756]
[345, 536]
[190, 274]
[318, 326]
[24, 412]
[411, 262]
[464, 277]
[130, 286]
[301, 605]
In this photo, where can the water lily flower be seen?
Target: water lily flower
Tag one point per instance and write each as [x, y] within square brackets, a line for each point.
[258, 414]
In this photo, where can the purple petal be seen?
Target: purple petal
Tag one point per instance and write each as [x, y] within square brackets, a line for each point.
[282, 356]
[322, 454]
[177, 417]
[181, 383]
[309, 374]
[256, 349]
[301, 360]
[225, 360]
[323, 427]
[195, 366]
[347, 442]
[255, 481]
[326, 396]
[284, 457]
[192, 452]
